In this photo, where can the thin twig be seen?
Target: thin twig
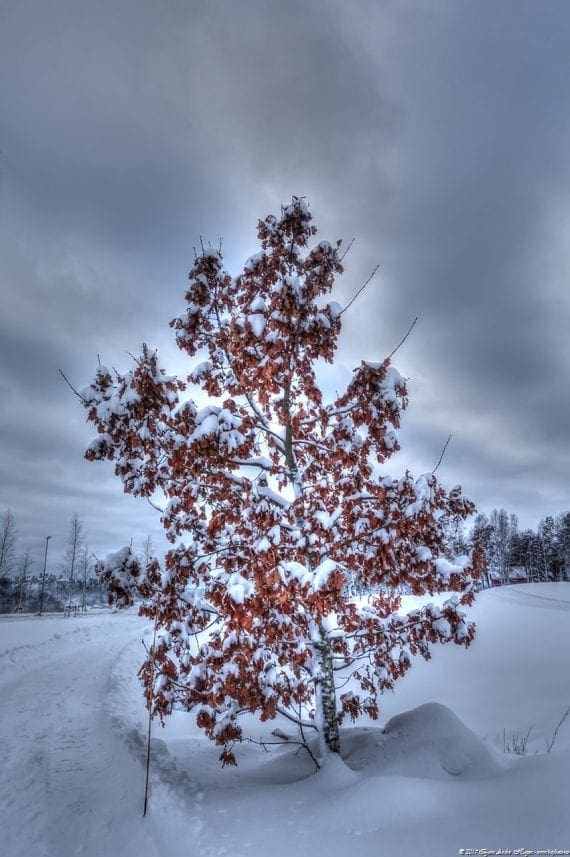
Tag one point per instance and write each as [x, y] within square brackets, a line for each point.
[306, 743]
[136, 359]
[306, 724]
[361, 289]
[442, 453]
[399, 345]
[72, 388]
[155, 506]
[550, 744]
[347, 249]
[291, 741]
[149, 720]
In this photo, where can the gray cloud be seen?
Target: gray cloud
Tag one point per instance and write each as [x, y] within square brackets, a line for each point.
[436, 134]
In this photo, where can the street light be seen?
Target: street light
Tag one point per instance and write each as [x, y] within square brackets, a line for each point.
[43, 578]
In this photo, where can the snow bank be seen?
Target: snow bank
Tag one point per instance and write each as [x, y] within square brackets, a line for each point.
[428, 741]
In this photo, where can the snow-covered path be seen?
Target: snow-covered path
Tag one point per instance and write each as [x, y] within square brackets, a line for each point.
[68, 784]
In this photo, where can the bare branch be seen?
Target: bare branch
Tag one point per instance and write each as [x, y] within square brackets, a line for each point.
[442, 453]
[399, 345]
[136, 359]
[72, 388]
[550, 744]
[347, 249]
[155, 506]
[360, 290]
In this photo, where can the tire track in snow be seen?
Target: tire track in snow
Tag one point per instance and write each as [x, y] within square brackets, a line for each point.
[531, 599]
[68, 785]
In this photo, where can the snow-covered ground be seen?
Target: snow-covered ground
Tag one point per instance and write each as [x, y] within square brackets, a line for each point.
[427, 782]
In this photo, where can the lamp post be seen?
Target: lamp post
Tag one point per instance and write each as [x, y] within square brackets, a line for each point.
[43, 578]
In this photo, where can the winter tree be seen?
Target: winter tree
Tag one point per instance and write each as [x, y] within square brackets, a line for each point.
[25, 562]
[147, 551]
[85, 566]
[273, 500]
[75, 543]
[8, 540]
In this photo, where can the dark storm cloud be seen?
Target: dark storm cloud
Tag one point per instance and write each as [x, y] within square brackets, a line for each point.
[481, 163]
[435, 133]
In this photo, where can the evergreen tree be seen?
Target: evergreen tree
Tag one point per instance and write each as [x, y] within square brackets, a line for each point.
[547, 547]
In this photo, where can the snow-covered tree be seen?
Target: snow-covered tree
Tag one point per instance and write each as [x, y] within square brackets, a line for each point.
[525, 553]
[562, 540]
[546, 533]
[480, 537]
[503, 528]
[274, 499]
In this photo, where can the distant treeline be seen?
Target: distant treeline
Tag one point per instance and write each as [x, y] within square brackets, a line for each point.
[19, 596]
[29, 584]
[514, 555]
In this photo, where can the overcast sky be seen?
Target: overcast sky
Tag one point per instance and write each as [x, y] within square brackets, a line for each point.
[435, 133]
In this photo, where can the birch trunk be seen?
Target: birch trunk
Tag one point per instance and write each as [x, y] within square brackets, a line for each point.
[325, 688]
[326, 700]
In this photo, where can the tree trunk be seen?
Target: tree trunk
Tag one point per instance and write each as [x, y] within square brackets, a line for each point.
[325, 686]
[326, 700]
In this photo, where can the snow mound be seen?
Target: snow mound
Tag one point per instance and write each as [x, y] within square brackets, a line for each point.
[429, 742]
[336, 774]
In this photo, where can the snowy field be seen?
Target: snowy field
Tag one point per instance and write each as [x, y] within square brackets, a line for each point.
[436, 780]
